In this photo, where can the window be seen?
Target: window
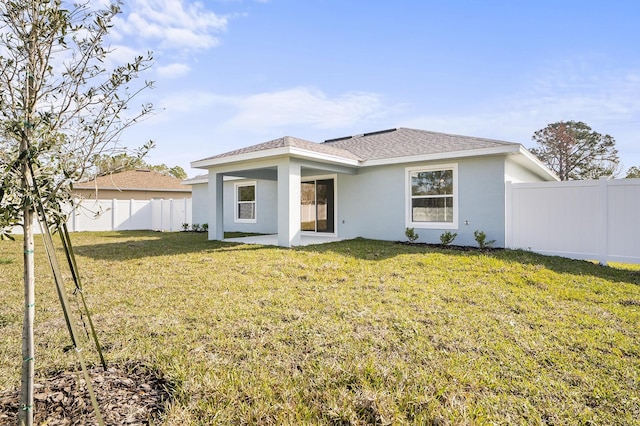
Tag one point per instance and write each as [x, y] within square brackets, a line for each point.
[432, 197]
[245, 202]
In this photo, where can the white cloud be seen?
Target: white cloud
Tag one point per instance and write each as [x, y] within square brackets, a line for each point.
[604, 99]
[190, 101]
[122, 54]
[306, 106]
[301, 106]
[172, 24]
[174, 70]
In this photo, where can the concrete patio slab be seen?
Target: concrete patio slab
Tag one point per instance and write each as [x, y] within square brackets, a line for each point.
[272, 239]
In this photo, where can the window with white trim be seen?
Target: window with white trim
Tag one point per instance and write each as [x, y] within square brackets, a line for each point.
[432, 197]
[245, 195]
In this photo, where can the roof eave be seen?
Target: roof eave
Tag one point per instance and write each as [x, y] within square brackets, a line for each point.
[534, 164]
[105, 188]
[195, 181]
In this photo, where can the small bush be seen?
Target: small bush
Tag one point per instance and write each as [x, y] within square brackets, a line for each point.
[195, 227]
[411, 234]
[185, 227]
[205, 227]
[447, 238]
[481, 239]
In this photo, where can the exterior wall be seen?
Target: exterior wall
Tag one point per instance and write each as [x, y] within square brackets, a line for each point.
[112, 194]
[373, 203]
[199, 195]
[514, 172]
[266, 206]
[370, 203]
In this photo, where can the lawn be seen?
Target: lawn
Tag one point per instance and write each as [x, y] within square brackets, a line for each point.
[355, 332]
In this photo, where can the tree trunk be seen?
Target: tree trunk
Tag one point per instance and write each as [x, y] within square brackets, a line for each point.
[28, 351]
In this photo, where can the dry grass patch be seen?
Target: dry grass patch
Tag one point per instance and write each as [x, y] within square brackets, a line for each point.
[355, 332]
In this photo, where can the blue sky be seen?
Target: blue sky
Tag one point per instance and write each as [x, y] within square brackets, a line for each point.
[233, 73]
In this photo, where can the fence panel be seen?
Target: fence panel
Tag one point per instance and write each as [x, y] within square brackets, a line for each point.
[169, 215]
[92, 215]
[593, 219]
[125, 215]
[623, 228]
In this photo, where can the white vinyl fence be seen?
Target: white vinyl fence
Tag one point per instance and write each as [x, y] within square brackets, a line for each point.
[127, 215]
[592, 219]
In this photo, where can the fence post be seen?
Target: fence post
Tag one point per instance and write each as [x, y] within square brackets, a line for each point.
[508, 213]
[161, 215]
[186, 220]
[114, 204]
[170, 214]
[603, 220]
[130, 219]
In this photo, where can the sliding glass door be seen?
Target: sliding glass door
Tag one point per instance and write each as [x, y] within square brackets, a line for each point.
[317, 206]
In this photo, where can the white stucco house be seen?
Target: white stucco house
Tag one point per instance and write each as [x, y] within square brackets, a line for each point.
[373, 185]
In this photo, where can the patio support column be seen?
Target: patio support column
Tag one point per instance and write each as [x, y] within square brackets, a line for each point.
[288, 203]
[215, 207]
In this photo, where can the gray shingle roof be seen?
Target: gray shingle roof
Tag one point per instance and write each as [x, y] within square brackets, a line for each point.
[289, 141]
[403, 142]
[384, 144]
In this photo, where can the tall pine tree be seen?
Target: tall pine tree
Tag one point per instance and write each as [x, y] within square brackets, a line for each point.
[574, 151]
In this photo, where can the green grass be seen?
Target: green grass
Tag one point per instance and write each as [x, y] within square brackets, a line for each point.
[355, 332]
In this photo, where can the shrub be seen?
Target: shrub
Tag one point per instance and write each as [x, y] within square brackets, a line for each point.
[411, 234]
[447, 238]
[195, 227]
[205, 227]
[481, 239]
[185, 227]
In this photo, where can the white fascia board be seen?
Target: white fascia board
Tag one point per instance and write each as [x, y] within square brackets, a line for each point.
[256, 155]
[195, 181]
[271, 153]
[439, 156]
[121, 189]
[206, 180]
[322, 157]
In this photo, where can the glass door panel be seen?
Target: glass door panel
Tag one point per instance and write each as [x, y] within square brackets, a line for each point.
[308, 206]
[324, 205]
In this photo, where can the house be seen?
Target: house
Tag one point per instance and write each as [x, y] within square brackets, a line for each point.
[141, 184]
[373, 185]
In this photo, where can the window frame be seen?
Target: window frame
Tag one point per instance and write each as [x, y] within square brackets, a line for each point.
[237, 202]
[409, 197]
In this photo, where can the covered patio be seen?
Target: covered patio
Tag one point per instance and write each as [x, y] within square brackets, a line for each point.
[272, 240]
[302, 209]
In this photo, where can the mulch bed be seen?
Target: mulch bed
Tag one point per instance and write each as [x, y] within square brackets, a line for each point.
[127, 395]
[449, 247]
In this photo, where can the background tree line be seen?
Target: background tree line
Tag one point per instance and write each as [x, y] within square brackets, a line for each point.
[106, 164]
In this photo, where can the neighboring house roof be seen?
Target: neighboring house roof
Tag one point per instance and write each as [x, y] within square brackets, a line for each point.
[390, 146]
[135, 180]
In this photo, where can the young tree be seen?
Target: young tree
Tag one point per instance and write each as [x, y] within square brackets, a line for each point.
[633, 172]
[574, 151]
[60, 105]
